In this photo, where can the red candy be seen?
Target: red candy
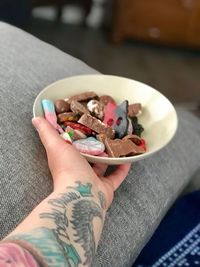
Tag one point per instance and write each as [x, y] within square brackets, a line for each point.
[109, 113]
[78, 126]
[143, 144]
[68, 142]
[117, 118]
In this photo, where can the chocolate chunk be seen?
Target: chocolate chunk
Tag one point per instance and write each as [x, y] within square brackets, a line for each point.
[105, 99]
[134, 138]
[61, 106]
[134, 109]
[78, 108]
[121, 148]
[83, 97]
[101, 137]
[67, 116]
[96, 108]
[96, 125]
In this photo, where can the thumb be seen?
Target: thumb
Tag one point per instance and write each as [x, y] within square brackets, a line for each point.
[48, 135]
[63, 158]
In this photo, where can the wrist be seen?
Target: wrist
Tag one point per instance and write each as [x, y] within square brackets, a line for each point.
[88, 189]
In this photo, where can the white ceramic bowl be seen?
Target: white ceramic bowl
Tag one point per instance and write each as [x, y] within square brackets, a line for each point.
[158, 117]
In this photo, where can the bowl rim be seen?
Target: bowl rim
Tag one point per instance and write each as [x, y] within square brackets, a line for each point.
[122, 160]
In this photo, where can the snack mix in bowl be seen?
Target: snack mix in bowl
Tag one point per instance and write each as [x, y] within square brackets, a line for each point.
[97, 125]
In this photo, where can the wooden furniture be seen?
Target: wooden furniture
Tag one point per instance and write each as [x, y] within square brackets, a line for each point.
[173, 22]
[59, 4]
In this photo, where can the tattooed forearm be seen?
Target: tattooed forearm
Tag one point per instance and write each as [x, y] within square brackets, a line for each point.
[69, 238]
[82, 220]
[64, 199]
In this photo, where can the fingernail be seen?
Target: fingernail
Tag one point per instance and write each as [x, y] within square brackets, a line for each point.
[36, 122]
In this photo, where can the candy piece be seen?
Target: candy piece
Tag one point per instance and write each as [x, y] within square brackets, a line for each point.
[50, 114]
[143, 144]
[61, 106]
[134, 109]
[83, 97]
[96, 108]
[109, 114]
[66, 137]
[79, 127]
[120, 148]
[130, 127]
[78, 108]
[89, 146]
[96, 125]
[101, 137]
[116, 117]
[134, 138]
[75, 134]
[105, 99]
[121, 125]
[80, 135]
[137, 128]
[67, 116]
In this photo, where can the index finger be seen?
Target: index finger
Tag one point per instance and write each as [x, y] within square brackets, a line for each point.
[118, 176]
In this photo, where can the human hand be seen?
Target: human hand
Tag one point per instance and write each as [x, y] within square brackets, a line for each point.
[67, 164]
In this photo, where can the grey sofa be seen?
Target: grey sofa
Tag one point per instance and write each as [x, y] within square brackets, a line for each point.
[26, 66]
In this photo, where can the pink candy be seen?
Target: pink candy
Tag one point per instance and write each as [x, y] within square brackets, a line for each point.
[50, 114]
[89, 146]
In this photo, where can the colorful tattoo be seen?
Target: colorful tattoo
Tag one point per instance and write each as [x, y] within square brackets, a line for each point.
[15, 256]
[84, 190]
[46, 246]
[70, 231]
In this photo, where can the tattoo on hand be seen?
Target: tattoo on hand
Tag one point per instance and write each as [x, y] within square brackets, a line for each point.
[55, 244]
[102, 200]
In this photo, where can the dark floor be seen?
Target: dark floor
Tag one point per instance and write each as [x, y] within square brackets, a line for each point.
[174, 72]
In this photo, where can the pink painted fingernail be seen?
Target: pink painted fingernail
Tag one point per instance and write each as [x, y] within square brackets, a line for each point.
[36, 122]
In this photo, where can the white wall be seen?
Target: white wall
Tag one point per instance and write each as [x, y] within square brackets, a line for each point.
[73, 14]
